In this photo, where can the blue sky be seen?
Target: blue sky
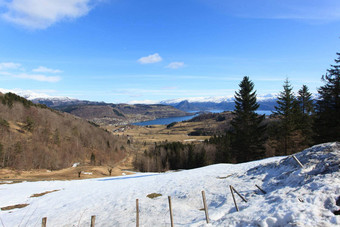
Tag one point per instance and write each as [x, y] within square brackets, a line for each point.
[133, 51]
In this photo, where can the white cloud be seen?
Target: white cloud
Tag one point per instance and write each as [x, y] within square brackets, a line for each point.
[42, 69]
[147, 101]
[153, 58]
[175, 65]
[40, 14]
[9, 65]
[11, 69]
[37, 77]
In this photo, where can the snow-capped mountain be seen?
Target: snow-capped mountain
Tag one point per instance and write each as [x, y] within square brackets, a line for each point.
[216, 99]
[32, 95]
[266, 102]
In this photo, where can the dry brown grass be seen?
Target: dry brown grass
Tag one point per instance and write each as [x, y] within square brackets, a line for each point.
[17, 206]
[43, 193]
[160, 133]
[8, 175]
[153, 195]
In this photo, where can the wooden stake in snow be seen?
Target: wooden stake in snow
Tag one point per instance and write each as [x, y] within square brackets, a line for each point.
[297, 160]
[137, 213]
[232, 193]
[43, 222]
[239, 194]
[263, 191]
[205, 207]
[170, 208]
[93, 220]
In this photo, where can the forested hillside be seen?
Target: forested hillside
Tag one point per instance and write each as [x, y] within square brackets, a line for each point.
[34, 136]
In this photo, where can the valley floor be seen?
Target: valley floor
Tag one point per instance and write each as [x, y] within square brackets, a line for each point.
[294, 196]
[124, 167]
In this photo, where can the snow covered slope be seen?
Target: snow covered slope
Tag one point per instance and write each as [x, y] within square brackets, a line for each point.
[295, 196]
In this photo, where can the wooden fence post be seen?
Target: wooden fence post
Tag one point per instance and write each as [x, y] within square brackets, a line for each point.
[239, 194]
[232, 193]
[170, 208]
[263, 191]
[137, 213]
[297, 160]
[205, 207]
[43, 222]
[93, 220]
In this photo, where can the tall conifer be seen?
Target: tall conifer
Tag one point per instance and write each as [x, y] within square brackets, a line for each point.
[305, 118]
[287, 109]
[328, 106]
[247, 125]
[305, 100]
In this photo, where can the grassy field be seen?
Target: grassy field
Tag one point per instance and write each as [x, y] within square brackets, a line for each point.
[144, 136]
[8, 175]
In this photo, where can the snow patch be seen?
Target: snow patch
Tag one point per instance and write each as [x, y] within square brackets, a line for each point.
[76, 164]
[294, 196]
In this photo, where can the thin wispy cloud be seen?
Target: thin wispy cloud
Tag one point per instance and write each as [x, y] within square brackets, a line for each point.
[40, 14]
[9, 65]
[37, 77]
[175, 65]
[153, 58]
[171, 92]
[146, 101]
[42, 69]
[169, 88]
[15, 70]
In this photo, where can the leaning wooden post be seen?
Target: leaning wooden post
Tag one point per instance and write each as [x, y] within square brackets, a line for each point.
[239, 194]
[170, 208]
[43, 222]
[137, 213]
[297, 160]
[93, 220]
[205, 207]
[232, 193]
[263, 191]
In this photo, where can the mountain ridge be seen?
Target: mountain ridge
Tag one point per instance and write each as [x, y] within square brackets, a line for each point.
[188, 104]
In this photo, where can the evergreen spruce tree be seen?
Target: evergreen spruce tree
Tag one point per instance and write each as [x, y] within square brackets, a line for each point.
[287, 110]
[327, 123]
[305, 121]
[247, 126]
[305, 100]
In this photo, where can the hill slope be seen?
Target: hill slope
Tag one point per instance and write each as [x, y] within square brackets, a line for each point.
[295, 196]
[34, 136]
[115, 114]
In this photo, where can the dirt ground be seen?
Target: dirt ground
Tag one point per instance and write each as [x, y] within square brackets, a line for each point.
[160, 133]
[13, 176]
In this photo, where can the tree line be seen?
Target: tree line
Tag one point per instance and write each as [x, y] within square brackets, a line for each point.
[298, 122]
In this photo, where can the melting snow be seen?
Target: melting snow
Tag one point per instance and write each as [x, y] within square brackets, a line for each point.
[294, 196]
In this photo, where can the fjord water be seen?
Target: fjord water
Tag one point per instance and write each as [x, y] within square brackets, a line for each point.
[166, 121]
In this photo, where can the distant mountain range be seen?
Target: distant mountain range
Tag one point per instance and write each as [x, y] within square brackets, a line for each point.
[267, 102]
[187, 105]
